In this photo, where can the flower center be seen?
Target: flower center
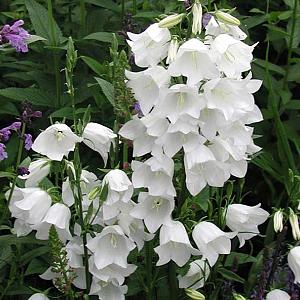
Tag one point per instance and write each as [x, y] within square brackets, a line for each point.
[113, 240]
[157, 203]
[59, 135]
[181, 100]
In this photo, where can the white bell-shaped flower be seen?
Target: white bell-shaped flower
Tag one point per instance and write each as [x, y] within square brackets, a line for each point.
[111, 272]
[156, 174]
[108, 290]
[38, 170]
[178, 100]
[174, 245]
[146, 85]
[245, 219]
[38, 296]
[278, 295]
[154, 210]
[56, 142]
[58, 215]
[21, 228]
[212, 241]
[150, 46]
[231, 56]
[294, 262]
[196, 276]
[194, 61]
[75, 251]
[111, 246]
[99, 138]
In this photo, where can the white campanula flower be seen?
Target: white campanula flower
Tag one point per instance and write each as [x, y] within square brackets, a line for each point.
[56, 142]
[21, 228]
[245, 219]
[193, 61]
[155, 174]
[294, 221]
[174, 244]
[173, 49]
[108, 290]
[212, 241]
[29, 204]
[178, 100]
[197, 18]
[154, 210]
[146, 85]
[99, 138]
[196, 276]
[75, 251]
[38, 296]
[38, 170]
[278, 295]
[111, 272]
[231, 56]
[119, 187]
[150, 46]
[58, 215]
[294, 262]
[111, 246]
[143, 132]
[215, 28]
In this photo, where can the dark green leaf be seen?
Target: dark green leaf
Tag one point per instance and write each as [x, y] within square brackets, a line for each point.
[108, 89]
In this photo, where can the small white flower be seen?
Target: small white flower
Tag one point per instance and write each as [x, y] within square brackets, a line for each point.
[174, 244]
[232, 56]
[21, 228]
[278, 295]
[245, 220]
[278, 221]
[38, 170]
[146, 85]
[294, 262]
[212, 241]
[56, 142]
[197, 18]
[38, 296]
[196, 276]
[99, 138]
[150, 46]
[154, 210]
[111, 246]
[293, 218]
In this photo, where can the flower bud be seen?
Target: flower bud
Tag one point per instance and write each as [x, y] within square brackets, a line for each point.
[94, 193]
[171, 21]
[197, 18]
[238, 297]
[195, 295]
[173, 48]
[278, 221]
[227, 18]
[295, 225]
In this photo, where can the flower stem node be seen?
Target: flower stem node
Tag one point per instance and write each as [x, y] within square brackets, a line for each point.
[227, 18]
[195, 295]
[171, 21]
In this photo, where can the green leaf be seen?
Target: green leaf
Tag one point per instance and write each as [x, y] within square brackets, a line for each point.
[9, 109]
[108, 90]
[30, 255]
[239, 258]
[227, 274]
[147, 14]
[36, 266]
[32, 95]
[41, 23]
[94, 65]
[293, 104]
[109, 4]
[11, 239]
[105, 37]
[7, 175]
[65, 112]
[272, 67]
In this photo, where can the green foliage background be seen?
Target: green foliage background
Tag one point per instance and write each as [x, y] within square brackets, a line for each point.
[37, 77]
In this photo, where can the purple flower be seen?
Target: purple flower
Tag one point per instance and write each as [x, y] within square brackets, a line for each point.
[15, 126]
[29, 113]
[3, 153]
[206, 18]
[23, 171]
[187, 4]
[137, 110]
[15, 35]
[28, 141]
[5, 132]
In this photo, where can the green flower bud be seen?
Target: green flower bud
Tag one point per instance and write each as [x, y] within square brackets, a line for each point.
[194, 295]
[238, 297]
[227, 18]
[171, 21]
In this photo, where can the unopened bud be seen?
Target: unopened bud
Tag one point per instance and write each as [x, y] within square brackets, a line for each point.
[173, 48]
[295, 225]
[171, 21]
[197, 18]
[227, 18]
[238, 297]
[94, 193]
[195, 295]
[278, 221]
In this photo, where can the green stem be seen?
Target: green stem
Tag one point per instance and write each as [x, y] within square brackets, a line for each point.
[123, 8]
[172, 281]
[290, 49]
[57, 79]
[83, 15]
[149, 257]
[134, 7]
[209, 5]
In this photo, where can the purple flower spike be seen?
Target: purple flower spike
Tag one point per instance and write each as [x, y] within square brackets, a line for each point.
[15, 35]
[29, 113]
[4, 134]
[15, 126]
[28, 141]
[3, 153]
[206, 18]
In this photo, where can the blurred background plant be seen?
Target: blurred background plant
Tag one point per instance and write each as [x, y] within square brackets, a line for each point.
[99, 25]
